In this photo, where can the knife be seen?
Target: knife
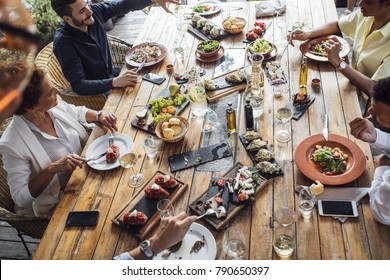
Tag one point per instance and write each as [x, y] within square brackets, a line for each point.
[325, 131]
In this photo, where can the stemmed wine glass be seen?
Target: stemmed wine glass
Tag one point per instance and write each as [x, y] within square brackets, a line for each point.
[234, 243]
[284, 114]
[281, 23]
[128, 161]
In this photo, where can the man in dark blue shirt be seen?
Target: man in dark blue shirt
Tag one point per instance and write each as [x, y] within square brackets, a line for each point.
[81, 45]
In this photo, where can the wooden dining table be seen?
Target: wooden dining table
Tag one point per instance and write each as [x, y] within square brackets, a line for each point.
[317, 238]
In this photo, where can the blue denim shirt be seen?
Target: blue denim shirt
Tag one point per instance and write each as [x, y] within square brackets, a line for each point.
[85, 57]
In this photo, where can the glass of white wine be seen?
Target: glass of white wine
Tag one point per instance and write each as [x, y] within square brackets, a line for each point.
[128, 161]
[284, 114]
[282, 25]
[234, 243]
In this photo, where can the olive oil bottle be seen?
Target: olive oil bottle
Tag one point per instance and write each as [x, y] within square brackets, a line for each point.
[231, 118]
[303, 78]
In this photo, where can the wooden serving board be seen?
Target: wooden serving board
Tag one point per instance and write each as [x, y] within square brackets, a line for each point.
[148, 206]
[216, 94]
[219, 223]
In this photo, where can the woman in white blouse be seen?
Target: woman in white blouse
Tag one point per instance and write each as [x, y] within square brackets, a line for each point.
[37, 144]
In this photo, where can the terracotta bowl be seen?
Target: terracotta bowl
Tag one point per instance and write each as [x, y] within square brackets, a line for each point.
[266, 54]
[209, 54]
[177, 138]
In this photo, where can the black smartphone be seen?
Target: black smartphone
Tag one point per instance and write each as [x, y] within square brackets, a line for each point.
[82, 218]
[337, 208]
[154, 78]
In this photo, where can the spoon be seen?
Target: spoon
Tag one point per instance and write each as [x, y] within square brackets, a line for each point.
[208, 212]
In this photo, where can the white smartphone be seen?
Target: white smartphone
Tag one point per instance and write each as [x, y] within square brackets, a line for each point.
[340, 208]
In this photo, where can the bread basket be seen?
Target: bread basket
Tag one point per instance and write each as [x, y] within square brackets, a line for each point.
[176, 138]
[232, 21]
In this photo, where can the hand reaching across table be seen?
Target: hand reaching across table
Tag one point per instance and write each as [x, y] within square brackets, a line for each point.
[363, 129]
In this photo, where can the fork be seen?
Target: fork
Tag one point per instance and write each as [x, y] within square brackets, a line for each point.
[208, 212]
[111, 139]
[141, 65]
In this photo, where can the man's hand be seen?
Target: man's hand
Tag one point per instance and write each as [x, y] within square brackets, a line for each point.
[381, 160]
[129, 78]
[363, 129]
[163, 4]
[171, 231]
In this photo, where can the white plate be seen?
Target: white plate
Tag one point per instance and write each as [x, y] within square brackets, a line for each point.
[195, 233]
[211, 3]
[99, 146]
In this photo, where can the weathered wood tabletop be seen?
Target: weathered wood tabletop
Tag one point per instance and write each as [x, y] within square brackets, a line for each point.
[319, 238]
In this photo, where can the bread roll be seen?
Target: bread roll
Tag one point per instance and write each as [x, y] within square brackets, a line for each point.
[176, 128]
[168, 133]
[317, 188]
[165, 125]
[174, 121]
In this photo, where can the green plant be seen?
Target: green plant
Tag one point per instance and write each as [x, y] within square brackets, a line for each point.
[45, 19]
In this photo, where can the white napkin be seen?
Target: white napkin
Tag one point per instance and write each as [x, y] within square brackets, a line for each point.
[269, 8]
[354, 194]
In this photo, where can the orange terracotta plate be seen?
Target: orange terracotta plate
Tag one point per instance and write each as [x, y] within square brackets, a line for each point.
[355, 165]
[129, 54]
[213, 58]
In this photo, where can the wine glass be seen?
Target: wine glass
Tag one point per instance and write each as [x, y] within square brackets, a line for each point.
[282, 25]
[128, 161]
[284, 114]
[234, 243]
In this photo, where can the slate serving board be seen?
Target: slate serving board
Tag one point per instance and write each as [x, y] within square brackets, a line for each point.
[214, 189]
[299, 109]
[148, 206]
[189, 159]
[198, 33]
[152, 129]
[252, 157]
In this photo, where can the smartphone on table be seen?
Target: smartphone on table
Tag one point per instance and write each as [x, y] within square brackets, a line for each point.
[342, 208]
[82, 218]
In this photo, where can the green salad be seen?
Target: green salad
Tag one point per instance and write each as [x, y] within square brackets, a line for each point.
[260, 46]
[208, 46]
[332, 160]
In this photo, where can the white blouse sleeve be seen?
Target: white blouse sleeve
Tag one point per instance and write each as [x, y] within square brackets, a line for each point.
[382, 142]
[380, 195]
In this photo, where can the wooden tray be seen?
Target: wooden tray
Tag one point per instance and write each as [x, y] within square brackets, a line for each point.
[149, 206]
[197, 205]
[151, 129]
[216, 94]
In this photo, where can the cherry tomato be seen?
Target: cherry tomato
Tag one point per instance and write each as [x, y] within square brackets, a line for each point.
[250, 35]
[218, 200]
[241, 178]
[328, 173]
[220, 183]
[241, 197]
[336, 154]
[258, 30]
[261, 24]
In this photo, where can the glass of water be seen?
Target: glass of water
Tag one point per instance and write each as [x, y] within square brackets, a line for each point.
[234, 243]
[165, 208]
[283, 240]
[306, 203]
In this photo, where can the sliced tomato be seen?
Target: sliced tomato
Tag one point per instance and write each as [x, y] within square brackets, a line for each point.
[258, 30]
[328, 173]
[261, 24]
[218, 200]
[220, 183]
[241, 178]
[242, 197]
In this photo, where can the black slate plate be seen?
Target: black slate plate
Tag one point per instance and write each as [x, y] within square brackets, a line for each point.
[299, 109]
[252, 156]
[198, 33]
[214, 189]
[146, 205]
[234, 195]
[221, 83]
[151, 129]
[180, 81]
[206, 154]
[282, 80]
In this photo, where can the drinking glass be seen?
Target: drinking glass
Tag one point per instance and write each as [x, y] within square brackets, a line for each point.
[282, 25]
[285, 216]
[128, 161]
[151, 146]
[283, 240]
[255, 88]
[306, 203]
[234, 243]
[165, 208]
[284, 114]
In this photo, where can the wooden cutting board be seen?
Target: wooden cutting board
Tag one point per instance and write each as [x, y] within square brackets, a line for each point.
[148, 206]
[216, 94]
[219, 223]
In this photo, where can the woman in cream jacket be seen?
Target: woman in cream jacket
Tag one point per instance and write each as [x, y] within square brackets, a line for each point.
[38, 143]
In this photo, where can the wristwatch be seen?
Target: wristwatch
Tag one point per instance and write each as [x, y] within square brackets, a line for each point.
[145, 248]
[341, 66]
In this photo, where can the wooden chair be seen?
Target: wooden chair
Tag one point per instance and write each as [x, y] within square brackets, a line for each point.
[31, 226]
[47, 61]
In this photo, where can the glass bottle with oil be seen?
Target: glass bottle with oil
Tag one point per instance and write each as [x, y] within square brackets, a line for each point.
[231, 118]
[249, 115]
[303, 79]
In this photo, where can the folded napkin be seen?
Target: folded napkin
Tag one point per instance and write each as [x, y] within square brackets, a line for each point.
[269, 8]
[354, 194]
